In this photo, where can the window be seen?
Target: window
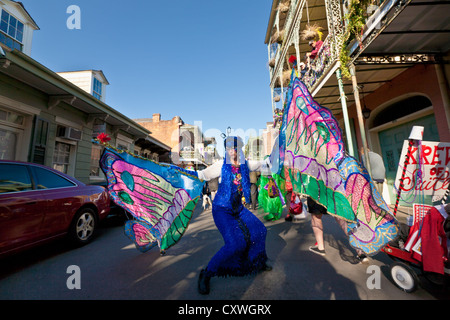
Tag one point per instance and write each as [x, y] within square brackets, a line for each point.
[95, 160]
[97, 91]
[61, 157]
[14, 177]
[11, 129]
[124, 143]
[46, 179]
[8, 144]
[11, 117]
[11, 31]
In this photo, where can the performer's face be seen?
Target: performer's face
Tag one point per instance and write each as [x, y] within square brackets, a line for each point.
[232, 153]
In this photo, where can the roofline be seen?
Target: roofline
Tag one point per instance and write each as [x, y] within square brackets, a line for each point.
[31, 65]
[158, 143]
[273, 13]
[20, 4]
[93, 70]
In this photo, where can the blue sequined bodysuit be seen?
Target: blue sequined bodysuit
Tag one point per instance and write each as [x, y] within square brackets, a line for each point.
[243, 233]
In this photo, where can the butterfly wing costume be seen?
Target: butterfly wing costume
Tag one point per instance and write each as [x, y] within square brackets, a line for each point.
[314, 162]
[161, 198]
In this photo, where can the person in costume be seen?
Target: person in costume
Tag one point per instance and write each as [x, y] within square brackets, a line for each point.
[244, 234]
[270, 196]
[313, 34]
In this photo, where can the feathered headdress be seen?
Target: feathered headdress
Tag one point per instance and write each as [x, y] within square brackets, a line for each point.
[312, 32]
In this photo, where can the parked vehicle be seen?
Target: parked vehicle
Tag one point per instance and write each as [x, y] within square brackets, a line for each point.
[39, 204]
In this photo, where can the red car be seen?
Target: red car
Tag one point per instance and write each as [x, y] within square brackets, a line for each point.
[39, 204]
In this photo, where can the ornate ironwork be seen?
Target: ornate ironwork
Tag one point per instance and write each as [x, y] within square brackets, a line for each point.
[396, 59]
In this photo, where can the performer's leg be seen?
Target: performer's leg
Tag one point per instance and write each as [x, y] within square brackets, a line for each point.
[254, 195]
[227, 260]
[257, 245]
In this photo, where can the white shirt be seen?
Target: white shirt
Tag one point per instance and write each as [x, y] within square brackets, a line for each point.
[215, 170]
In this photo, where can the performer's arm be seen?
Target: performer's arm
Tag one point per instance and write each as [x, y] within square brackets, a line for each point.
[261, 166]
[213, 171]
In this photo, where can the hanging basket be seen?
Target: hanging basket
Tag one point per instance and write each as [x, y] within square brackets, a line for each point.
[286, 76]
[284, 6]
[277, 37]
[312, 32]
[272, 62]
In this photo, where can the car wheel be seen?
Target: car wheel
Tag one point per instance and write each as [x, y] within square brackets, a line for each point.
[83, 226]
[404, 277]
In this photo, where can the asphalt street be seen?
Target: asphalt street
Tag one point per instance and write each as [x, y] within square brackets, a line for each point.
[110, 268]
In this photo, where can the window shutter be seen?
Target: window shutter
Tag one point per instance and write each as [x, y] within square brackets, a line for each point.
[39, 141]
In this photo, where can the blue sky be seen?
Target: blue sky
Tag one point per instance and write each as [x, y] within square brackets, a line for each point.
[202, 60]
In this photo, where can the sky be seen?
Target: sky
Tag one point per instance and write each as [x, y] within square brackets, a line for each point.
[202, 60]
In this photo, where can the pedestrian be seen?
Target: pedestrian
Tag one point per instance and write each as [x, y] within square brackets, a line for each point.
[315, 45]
[254, 176]
[313, 34]
[244, 251]
[206, 196]
[317, 211]
[296, 211]
[213, 186]
[378, 171]
[270, 196]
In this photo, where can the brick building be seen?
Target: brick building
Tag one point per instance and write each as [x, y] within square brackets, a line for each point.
[189, 146]
[166, 131]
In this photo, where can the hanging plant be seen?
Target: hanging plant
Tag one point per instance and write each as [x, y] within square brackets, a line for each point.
[278, 37]
[312, 32]
[344, 59]
[272, 62]
[356, 21]
[284, 6]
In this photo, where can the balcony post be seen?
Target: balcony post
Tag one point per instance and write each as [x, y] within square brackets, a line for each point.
[360, 118]
[343, 98]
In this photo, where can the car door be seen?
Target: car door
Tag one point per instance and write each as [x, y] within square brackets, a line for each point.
[22, 209]
[62, 199]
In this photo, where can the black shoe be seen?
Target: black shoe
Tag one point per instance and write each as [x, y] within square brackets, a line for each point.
[266, 267]
[362, 258]
[316, 250]
[203, 282]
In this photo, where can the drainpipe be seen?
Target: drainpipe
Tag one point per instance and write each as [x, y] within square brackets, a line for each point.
[343, 98]
[360, 118]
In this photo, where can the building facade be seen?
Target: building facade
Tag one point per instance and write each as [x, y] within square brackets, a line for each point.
[189, 147]
[382, 68]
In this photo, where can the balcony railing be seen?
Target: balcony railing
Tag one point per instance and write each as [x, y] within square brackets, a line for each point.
[320, 65]
[191, 155]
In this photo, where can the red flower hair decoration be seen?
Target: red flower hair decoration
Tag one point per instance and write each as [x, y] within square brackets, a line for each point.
[103, 137]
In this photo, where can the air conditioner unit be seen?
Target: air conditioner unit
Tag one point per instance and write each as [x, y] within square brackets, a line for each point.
[72, 134]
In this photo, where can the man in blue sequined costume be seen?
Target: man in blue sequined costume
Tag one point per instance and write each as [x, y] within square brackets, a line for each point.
[244, 234]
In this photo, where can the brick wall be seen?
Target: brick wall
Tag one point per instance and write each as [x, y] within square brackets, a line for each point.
[166, 131]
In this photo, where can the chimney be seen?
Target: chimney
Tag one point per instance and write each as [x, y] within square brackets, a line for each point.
[156, 117]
